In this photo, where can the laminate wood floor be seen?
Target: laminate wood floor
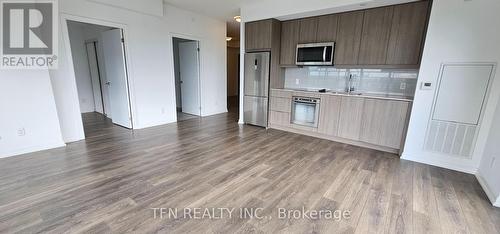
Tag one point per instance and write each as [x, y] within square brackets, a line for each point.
[110, 182]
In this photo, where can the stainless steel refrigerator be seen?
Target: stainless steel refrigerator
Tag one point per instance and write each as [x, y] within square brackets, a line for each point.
[256, 96]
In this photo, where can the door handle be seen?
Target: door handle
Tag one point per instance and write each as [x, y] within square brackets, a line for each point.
[108, 83]
[324, 54]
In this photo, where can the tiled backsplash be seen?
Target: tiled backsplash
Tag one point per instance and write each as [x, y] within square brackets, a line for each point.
[373, 81]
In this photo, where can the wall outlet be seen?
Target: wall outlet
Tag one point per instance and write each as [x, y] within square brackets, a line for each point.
[297, 81]
[21, 132]
[402, 86]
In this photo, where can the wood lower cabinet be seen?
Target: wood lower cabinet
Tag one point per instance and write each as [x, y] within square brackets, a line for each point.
[364, 121]
[280, 107]
[375, 36]
[277, 118]
[407, 33]
[384, 122]
[351, 116]
[280, 104]
[329, 114]
[349, 38]
[289, 39]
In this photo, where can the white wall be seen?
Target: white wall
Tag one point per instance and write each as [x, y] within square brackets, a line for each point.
[152, 7]
[26, 101]
[212, 36]
[81, 67]
[459, 31]
[149, 49]
[489, 169]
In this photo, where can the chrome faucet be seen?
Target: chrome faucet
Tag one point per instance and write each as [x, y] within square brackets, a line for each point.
[350, 85]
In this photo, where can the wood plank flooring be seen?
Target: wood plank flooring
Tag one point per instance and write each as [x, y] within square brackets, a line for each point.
[110, 182]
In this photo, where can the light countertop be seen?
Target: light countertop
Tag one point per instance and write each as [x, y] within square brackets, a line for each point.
[354, 94]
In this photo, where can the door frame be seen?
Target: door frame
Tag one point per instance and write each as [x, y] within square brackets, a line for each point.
[192, 38]
[99, 72]
[65, 18]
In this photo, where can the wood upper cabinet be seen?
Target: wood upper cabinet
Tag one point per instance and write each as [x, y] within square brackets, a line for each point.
[375, 36]
[308, 30]
[258, 35]
[327, 28]
[351, 116]
[349, 38]
[329, 115]
[407, 33]
[384, 122]
[289, 39]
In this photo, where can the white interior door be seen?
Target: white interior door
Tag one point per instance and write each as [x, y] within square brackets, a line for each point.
[190, 83]
[116, 74]
[95, 77]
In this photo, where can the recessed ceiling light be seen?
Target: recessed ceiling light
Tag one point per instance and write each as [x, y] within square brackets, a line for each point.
[229, 38]
[237, 18]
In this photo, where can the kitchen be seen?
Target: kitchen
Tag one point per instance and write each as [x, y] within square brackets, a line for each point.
[348, 77]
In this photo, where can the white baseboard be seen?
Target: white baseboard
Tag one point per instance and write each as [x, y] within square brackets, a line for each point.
[434, 161]
[497, 204]
[32, 149]
[485, 187]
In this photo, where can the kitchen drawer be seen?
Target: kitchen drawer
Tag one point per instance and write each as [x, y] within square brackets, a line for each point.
[306, 94]
[281, 93]
[279, 118]
[281, 104]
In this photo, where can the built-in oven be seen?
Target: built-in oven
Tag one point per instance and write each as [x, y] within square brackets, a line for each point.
[305, 111]
[315, 54]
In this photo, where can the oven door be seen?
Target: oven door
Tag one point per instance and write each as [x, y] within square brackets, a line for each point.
[315, 54]
[305, 113]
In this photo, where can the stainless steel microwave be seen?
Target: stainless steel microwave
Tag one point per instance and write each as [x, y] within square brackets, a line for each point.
[315, 54]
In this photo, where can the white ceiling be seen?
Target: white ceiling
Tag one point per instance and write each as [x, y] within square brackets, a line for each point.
[220, 9]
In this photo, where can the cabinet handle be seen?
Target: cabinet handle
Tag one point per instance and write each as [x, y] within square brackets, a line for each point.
[324, 54]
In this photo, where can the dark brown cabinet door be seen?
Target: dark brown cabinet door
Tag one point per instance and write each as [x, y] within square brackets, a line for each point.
[349, 38]
[289, 39]
[258, 35]
[407, 33]
[308, 30]
[327, 28]
[375, 36]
